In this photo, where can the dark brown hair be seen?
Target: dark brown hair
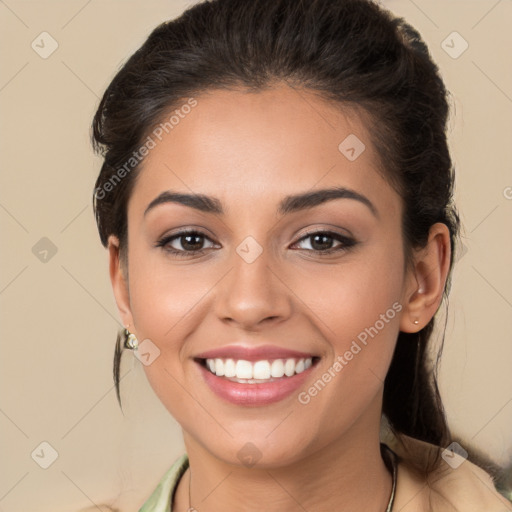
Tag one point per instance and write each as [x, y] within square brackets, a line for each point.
[350, 52]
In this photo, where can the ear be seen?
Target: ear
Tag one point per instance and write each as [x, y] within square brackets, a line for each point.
[119, 282]
[426, 280]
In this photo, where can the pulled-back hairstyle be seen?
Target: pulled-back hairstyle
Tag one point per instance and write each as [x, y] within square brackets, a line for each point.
[352, 53]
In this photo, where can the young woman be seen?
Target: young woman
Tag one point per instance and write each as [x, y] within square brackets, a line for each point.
[276, 199]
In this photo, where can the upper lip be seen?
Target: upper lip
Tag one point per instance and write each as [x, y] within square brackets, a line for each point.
[252, 353]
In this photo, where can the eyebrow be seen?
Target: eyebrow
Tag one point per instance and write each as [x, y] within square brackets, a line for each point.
[289, 204]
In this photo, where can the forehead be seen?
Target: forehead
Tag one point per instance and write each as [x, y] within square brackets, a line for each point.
[250, 149]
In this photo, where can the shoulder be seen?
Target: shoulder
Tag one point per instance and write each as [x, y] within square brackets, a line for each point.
[458, 486]
[161, 498]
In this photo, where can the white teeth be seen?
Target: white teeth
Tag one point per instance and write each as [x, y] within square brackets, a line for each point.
[289, 367]
[263, 370]
[219, 367]
[229, 368]
[243, 369]
[277, 369]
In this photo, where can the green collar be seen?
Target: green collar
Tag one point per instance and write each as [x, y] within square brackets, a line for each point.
[161, 498]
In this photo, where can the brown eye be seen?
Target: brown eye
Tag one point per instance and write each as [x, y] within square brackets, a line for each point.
[191, 242]
[184, 242]
[322, 242]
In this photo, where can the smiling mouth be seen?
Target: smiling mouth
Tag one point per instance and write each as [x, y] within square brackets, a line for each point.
[257, 372]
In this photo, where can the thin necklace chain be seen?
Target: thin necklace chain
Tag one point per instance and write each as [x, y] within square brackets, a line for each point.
[389, 508]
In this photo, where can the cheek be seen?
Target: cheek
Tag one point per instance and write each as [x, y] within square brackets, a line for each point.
[163, 294]
[164, 300]
[352, 296]
[168, 301]
[357, 309]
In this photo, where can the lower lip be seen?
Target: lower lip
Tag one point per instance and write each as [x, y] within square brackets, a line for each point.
[254, 394]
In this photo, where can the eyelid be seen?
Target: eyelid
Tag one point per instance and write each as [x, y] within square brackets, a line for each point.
[328, 230]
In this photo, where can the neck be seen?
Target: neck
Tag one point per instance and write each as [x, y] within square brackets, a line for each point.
[347, 474]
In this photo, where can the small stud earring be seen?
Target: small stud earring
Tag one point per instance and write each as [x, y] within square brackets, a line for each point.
[416, 322]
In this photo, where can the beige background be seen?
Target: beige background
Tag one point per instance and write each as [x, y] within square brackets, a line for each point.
[58, 318]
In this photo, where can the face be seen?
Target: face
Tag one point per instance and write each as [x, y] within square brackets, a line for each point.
[265, 278]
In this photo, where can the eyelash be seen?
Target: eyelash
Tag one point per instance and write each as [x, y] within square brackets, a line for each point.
[347, 243]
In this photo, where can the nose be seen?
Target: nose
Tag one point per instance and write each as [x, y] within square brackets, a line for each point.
[253, 295]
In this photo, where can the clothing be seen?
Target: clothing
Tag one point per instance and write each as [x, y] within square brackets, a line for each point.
[161, 498]
[468, 488]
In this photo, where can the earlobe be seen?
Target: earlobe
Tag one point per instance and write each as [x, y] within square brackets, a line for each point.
[119, 281]
[426, 281]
